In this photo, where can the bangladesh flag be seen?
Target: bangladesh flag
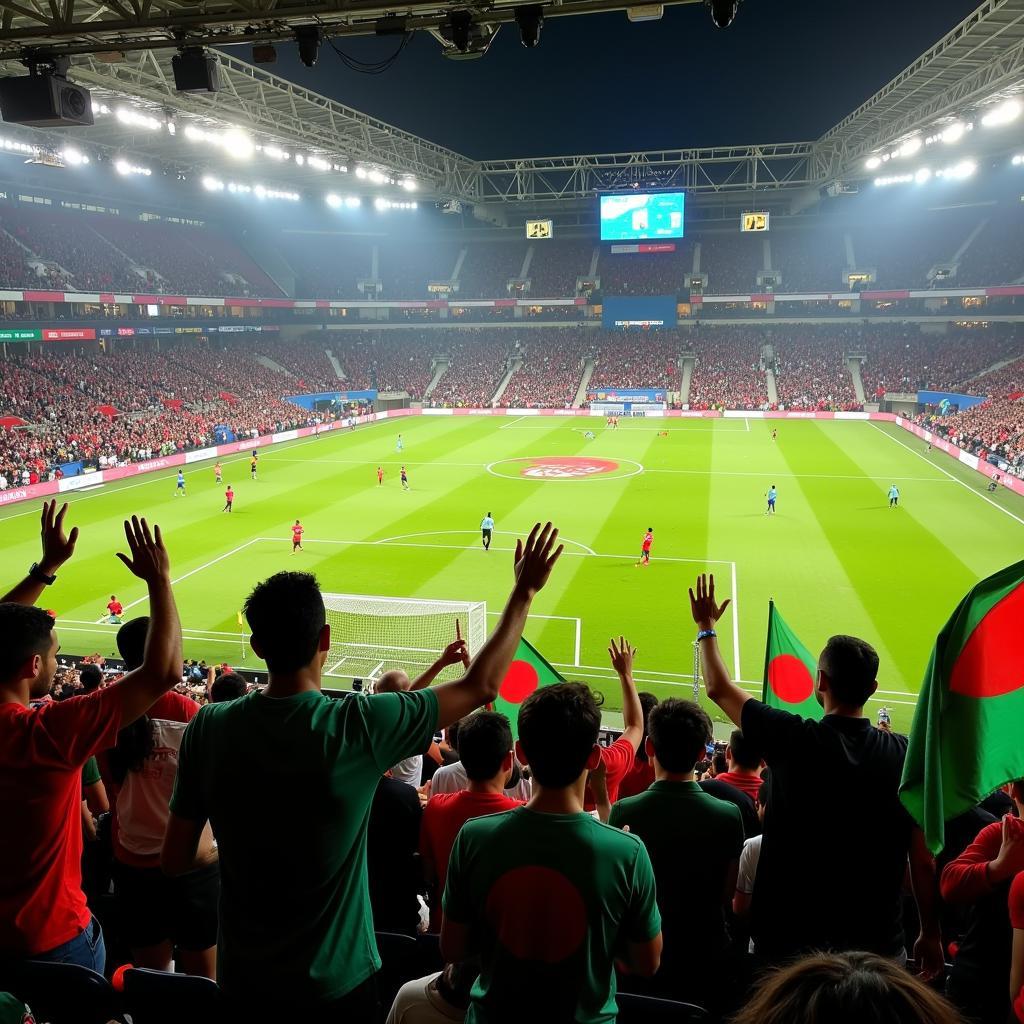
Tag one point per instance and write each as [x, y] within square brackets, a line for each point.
[966, 740]
[528, 672]
[789, 670]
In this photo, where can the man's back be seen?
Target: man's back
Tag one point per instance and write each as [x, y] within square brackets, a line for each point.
[692, 839]
[833, 822]
[287, 784]
[552, 899]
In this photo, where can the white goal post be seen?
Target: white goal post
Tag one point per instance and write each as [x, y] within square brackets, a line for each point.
[373, 635]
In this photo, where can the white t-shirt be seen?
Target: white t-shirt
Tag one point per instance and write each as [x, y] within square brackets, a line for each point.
[418, 1002]
[451, 778]
[749, 857]
[410, 770]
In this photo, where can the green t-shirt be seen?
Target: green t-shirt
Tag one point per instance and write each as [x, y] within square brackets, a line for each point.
[689, 835]
[90, 773]
[550, 901]
[287, 784]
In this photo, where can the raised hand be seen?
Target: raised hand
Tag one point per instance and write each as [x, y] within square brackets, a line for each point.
[148, 559]
[702, 604]
[535, 559]
[57, 548]
[622, 655]
[455, 653]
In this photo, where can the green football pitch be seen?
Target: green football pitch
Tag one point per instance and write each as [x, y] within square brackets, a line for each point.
[835, 558]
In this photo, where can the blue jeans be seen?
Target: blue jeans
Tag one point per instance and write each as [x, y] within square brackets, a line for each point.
[86, 949]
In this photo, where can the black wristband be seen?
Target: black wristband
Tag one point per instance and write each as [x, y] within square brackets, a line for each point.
[37, 574]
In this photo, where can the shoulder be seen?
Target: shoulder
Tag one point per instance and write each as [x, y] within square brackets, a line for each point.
[478, 830]
[614, 842]
[439, 803]
[626, 806]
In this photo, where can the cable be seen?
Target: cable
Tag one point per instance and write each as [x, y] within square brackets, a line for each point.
[367, 67]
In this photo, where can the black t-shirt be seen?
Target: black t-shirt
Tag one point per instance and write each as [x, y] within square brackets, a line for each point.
[836, 837]
[392, 844]
[748, 812]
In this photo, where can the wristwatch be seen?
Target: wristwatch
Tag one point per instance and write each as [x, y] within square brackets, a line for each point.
[39, 576]
[705, 633]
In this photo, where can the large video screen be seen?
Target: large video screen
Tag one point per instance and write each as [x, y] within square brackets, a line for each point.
[636, 216]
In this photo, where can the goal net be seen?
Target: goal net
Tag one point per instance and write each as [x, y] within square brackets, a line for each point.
[372, 635]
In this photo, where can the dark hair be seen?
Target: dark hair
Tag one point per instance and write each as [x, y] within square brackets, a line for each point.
[90, 676]
[484, 740]
[647, 701]
[680, 732]
[558, 727]
[24, 632]
[134, 744]
[845, 988]
[452, 735]
[131, 641]
[227, 686]
[851, 665]
[744, 753]
[286, 615]
[719, 763]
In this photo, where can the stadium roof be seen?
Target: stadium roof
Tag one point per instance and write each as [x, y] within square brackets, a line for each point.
[978, 62]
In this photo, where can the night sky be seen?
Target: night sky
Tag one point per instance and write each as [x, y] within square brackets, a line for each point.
[787, 70]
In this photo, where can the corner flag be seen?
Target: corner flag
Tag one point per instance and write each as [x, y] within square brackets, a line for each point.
[528, 672]
[789, 671]
[966, 738]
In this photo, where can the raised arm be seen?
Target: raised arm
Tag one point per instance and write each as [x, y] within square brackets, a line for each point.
[720, 687]
[534, 561]
[57, 549]
[454, 653]
[622, 655]
[160, 670]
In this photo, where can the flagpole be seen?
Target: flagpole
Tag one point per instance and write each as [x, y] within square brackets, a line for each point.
[767, 649]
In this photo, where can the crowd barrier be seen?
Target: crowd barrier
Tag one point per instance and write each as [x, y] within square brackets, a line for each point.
[95, 479]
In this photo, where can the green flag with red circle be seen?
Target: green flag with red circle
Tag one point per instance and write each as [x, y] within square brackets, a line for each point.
[967, 739]
[528, 672]
[789, 670]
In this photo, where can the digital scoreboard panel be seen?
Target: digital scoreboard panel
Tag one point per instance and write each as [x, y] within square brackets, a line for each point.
[753, 222]
[637, 216]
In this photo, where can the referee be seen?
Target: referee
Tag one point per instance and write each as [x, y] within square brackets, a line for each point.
[486, 529]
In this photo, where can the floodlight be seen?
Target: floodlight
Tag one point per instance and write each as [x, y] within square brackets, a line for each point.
[911, 146]
[954, 132]
[73, 157]
[237, 144]
[380, 204]
[530, 18]
[332, 200]
[353, 202]
[872, 162]
[1003, 114]
[922, 175]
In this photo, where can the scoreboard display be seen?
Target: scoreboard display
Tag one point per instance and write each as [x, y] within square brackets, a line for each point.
[639, 216]
[754, 222]
[539, 229]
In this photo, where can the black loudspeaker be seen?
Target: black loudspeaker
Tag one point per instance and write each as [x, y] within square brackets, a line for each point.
[44, 101]
[195, 71]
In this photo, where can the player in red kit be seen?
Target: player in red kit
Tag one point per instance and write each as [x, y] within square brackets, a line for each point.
[114, 609]
[645, 548]
[297, 532]
[229, 499]
[380, 475]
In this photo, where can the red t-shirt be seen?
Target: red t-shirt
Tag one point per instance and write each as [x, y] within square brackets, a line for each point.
[229, 495]
[1017, 902]
[618, 759]
[115, 607]
[443, 816]
[637, 779]
[42, 751]
[648, 541]
[744, 783]
[296, 534]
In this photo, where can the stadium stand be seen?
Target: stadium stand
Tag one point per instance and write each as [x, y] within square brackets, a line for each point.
[810, 370]
[478, 361]
[386, 360]
[408, 266]
[645, 273]
[647, 360]
[488, 267]
[731, 262]
[327, 265]
[551, 371]
[728, 372]
[556, 265]
[808, 260]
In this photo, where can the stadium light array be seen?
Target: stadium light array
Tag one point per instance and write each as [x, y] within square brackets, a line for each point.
[234, 141]
[124, 168]
[1018, 160]
[959, 171]
[274, 152]
[381, 205]
[212, 184]
[1001, 114]
[336, 202]
[13, 146]
[137, 119]
[893, 179]
[73, 157]
[949, 135]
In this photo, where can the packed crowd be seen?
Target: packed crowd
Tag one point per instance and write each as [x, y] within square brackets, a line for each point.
[662, 273]
[639, 360]
[731, 262]
[477, 361]
[557, 265]
[393, 360]
[995, 427]
[550, 874]
[729, 371]
[551, 370]
[326, 266]
[810, 369]
[487, 269]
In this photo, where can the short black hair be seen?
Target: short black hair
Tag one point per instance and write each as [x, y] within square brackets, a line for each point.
[744, 753]
[484, 740]
[719, 763]
[24, 632]
[131, 641]
[851, 665]
[227, 686]
[647, 701]
[90, 676]
[558, 727]
[286, 615]
[680, 732]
